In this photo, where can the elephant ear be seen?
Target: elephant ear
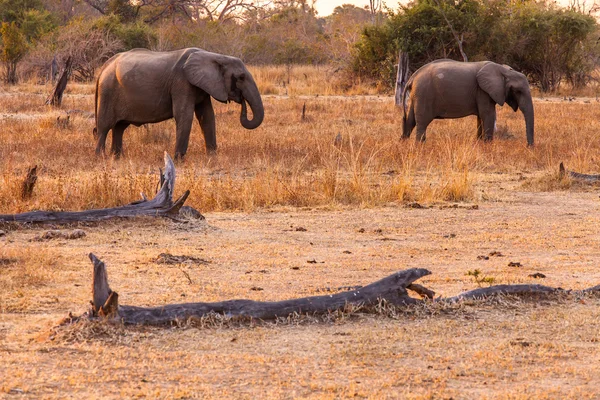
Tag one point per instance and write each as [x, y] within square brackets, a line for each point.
[203, 70]
[491, 79]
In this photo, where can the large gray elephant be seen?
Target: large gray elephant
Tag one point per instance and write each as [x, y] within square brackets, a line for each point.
[142, 86]
[452, 89]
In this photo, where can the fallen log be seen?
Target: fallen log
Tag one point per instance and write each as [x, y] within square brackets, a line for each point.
[562, 171]
[162, 205]
[392, 290]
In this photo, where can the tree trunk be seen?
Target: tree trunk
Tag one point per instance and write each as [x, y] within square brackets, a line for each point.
[55, 98]
[29, 183]
[11, 72]
[401, 77]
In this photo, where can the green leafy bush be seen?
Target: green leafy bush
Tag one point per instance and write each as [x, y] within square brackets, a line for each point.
[547, 43]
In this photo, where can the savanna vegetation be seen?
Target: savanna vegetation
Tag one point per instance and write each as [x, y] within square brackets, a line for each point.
[323, 195]
[552, 45]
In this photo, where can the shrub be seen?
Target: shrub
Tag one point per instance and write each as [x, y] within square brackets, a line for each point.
[547, 43]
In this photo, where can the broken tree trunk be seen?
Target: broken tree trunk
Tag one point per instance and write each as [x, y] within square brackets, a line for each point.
[392, 290]
[55, 98]
[576, 175]
[29, 183]
[401, 77]
[161, 205]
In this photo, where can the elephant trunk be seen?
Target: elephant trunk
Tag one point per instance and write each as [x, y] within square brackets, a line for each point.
[526, 106]
[256, 105]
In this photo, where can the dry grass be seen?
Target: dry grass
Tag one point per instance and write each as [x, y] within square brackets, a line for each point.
[501, 349]
[308, 80]
[352, 199]
[287, 161]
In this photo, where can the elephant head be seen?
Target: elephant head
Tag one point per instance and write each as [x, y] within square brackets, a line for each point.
[226, 78]
[503, 84]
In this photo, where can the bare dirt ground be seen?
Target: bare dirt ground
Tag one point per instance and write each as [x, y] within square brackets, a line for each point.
[289, 214]
[508, 349]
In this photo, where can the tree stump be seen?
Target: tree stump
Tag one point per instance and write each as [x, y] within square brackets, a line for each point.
[401, 77]
[29, 183]
[55, 98]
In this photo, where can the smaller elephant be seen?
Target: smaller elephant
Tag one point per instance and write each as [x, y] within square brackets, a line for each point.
[452, 89]
[140, 86]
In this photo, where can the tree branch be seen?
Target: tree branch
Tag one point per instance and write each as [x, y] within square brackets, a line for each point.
[458, 40]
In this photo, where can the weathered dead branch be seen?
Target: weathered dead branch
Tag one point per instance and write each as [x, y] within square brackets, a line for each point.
[392, 290]
[161, 205]
[576, 175]
[513, 290]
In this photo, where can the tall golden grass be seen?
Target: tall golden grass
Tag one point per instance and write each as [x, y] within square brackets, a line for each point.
[323, 80]
[287, 161]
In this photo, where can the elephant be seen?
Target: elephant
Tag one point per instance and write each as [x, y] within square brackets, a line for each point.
[140, 86]
[452, 89]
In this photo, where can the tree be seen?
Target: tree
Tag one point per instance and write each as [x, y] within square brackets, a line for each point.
[23, 22]
[547, 43]
[343, 29]
[176, 10]
[123, 9]
[551, 44]
[14, 48]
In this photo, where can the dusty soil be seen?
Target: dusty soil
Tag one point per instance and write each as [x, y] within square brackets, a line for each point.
[360, 227]
[501, 349]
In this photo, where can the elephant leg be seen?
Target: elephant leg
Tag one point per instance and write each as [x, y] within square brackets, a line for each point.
[206, 117]
[423, 116]
[486, 113]
[409, 123]
[422, 124]
[184, 116]
[101, 134]
[489, 124]
[421, 132]
[117, 138]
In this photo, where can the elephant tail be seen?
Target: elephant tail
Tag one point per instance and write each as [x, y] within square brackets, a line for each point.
[96, 99]
[95, 131]
[405, 94]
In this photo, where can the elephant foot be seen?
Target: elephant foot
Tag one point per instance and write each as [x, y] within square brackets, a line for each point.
[179, 157]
